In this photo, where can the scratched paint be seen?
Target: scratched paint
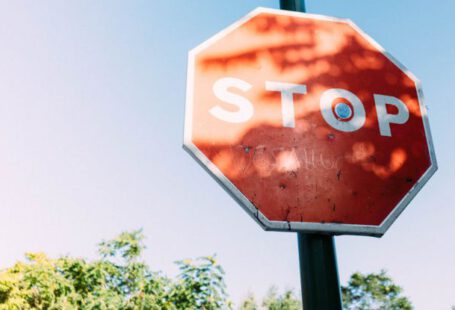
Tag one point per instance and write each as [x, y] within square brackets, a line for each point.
[309, 171]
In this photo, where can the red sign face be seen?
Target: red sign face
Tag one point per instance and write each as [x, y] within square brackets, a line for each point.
[308, 123]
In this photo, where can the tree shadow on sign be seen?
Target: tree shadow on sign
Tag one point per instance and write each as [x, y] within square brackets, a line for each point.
[311, 172]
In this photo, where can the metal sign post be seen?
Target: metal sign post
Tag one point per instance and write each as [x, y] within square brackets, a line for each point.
[317, 256]
[293, 5]
[266, 119]
[318, 272]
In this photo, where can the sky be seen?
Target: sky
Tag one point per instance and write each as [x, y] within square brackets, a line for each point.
[92, 98]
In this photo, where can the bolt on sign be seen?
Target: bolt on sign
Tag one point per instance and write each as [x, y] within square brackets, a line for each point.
[308, 123]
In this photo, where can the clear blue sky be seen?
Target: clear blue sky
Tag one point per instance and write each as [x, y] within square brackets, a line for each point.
[91, 125]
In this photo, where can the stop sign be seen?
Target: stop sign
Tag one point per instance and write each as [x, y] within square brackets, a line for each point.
[308, 123]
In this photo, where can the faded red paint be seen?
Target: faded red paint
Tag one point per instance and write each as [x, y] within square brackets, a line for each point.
[313, 172]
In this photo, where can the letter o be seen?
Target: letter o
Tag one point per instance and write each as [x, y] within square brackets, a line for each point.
[355, 117]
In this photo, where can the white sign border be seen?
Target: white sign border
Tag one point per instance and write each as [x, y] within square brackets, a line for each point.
[309, 227]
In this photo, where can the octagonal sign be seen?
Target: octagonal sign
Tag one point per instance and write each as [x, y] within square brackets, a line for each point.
[308, 123]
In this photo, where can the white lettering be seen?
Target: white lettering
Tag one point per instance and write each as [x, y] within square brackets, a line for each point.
[343, 117]
[385, 119]
[221, 91]
[287, 99]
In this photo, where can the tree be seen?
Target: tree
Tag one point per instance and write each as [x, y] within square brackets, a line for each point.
[249, 303]
[273, 301]
[374, 291]
[286, 301]
[117, 280]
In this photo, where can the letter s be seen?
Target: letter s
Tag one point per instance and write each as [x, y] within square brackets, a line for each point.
[221, 91]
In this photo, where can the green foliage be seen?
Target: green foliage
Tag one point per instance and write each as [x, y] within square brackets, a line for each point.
[128, 245]
[286, 301]
[117, 280]
[373, 292]
[363, 292]
[273, 301]
[201, 285]
[249, 303]
[120, 280]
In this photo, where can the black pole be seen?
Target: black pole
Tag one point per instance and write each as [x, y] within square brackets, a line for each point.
[317, 256]
[293, 5]
[319, 272]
